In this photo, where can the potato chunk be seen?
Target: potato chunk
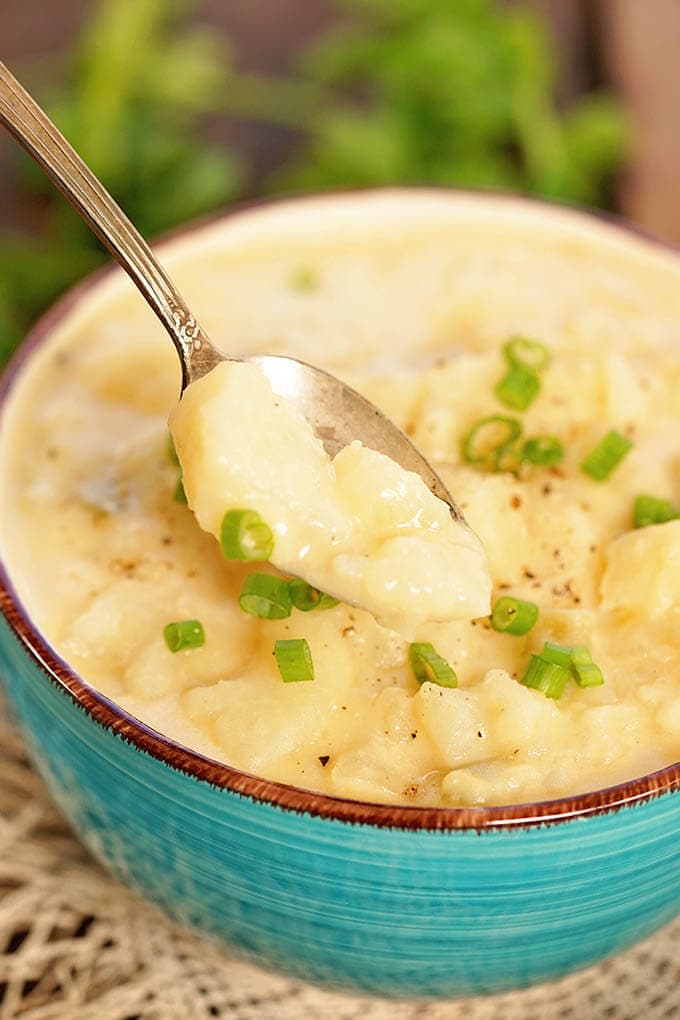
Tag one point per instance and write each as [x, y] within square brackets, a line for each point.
[643, 570]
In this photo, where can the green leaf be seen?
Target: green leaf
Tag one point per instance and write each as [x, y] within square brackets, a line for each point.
[354, 148]
[129, 98]
[596, 135]
[187, 74]
[429, 90]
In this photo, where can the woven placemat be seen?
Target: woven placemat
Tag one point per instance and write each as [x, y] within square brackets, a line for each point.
[76, 945]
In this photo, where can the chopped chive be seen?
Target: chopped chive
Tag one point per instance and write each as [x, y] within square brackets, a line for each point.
[266, 596]
[547, 677]
[526, 353]
[489, 438]
[587, 674]
[184, 634]
[549, 671]
[509, 459]
[513, 616]
[179, 495]
[427, 664]
[172, 452]
[304, 279]
[604, 457]
[518, 388]
[544, 450]
[559, 654]
[650, 510]
[306, 598]
[294, 659]
[245, 536]
[579, 654]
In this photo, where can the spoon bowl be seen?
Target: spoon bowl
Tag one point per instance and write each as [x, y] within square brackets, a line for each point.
[336, 412]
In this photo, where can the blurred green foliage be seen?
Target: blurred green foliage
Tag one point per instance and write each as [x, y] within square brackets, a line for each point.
[403, 91]
[130, 99]
[452, 93]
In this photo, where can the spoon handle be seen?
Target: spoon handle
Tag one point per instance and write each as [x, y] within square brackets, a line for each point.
[36, 133]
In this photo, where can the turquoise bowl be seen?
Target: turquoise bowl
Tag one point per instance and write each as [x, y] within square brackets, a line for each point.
[395, 901]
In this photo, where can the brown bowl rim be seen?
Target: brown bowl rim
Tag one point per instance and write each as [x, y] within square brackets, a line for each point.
[144, 738]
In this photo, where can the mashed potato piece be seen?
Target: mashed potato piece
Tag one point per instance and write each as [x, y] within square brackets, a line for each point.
[415, 296]
[360, 527]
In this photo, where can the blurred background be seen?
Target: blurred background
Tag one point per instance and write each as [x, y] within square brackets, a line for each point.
[185, 106]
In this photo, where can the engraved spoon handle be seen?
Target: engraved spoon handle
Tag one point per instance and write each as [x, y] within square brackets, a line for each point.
[36, 133]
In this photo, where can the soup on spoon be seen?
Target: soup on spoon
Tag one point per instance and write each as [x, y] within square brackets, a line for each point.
[366, 528]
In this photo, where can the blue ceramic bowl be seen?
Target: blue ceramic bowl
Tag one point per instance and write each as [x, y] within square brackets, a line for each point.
[395, 901]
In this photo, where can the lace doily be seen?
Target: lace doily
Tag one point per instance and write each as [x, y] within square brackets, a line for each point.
[76, 945]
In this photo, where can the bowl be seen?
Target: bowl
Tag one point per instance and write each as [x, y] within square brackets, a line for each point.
[397, 901]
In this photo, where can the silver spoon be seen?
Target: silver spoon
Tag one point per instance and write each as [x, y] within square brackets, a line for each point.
[337, 413]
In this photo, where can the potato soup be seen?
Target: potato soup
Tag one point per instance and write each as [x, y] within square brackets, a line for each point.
[563, 451]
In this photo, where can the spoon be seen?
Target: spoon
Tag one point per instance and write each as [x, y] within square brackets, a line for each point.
[336, 412]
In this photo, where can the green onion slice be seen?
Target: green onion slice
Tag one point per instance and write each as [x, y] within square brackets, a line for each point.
[266, 596]
[544, 450]
[518, 388]
[489, 439]
[561, 655]
[179, 495]
[172, 452]
[245, 536]
[526, 353]
[306, 598]
[294, 659]
[547, 677]
[580, 655]
[650, 510]
[549, 671]
[513, 616]
[304, 279]
[604, 457]
[428, 665]
[184, 634]
[586, 673]
[509, 459]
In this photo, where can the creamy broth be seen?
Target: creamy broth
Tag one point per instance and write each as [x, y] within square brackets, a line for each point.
[413, 298]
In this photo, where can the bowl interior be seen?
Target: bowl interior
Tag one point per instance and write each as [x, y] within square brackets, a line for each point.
[457, 243]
